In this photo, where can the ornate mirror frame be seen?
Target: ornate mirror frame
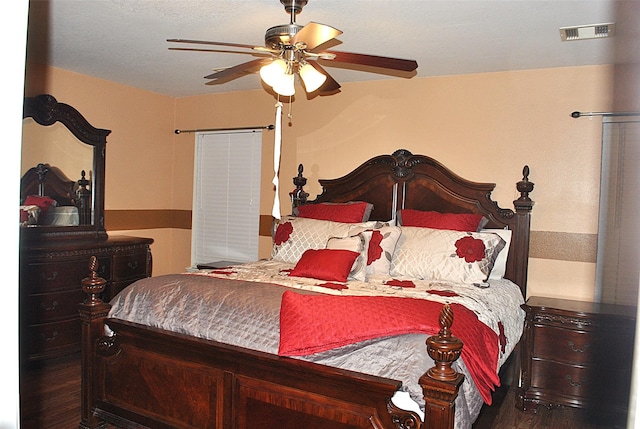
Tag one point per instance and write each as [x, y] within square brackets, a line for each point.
[45, 110]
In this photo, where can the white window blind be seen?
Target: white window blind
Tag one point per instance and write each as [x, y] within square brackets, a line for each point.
[617, 270]
[226, 197]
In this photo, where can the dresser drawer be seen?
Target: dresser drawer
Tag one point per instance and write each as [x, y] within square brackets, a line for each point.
[129, 266]
[52, 339]
[48, 307]
[61, 275]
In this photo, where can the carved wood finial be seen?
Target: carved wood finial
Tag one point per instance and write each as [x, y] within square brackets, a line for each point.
[298, 195]
[524, 187]
[93, 285]
[444, 348]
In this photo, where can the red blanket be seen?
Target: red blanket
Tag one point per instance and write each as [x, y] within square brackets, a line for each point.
[314, 323]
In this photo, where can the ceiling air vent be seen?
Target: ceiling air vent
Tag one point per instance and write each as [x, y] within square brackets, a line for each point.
[582, 32]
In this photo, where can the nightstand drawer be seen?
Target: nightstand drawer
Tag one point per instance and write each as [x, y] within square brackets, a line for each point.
[583, 347]
[562, 380]
[580, 384]
[563, 345]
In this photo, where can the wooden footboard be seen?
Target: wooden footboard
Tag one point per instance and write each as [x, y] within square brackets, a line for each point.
[146, 377]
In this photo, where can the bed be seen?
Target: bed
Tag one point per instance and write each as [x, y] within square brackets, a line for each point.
[272, 351]
[49, 197]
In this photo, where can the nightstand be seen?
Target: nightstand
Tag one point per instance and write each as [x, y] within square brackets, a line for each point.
[577, 354]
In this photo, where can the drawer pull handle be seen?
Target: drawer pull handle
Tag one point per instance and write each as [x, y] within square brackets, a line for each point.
[54, 304]
[575, 383]
[133, 265]
[573, 347]
[53, 336]
[51, 277]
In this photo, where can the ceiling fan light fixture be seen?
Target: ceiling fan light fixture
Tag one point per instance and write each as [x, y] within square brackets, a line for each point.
[311, 77]
[285, 86]
[273, 73]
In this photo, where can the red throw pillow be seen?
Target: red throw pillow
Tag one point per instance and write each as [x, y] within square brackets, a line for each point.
[42, 202]
[325, 264]
[467, 222]
[352, 212]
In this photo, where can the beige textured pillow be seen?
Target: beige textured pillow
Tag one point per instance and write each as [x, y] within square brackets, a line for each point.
[294, 235]
[355, 243]
[445, 255]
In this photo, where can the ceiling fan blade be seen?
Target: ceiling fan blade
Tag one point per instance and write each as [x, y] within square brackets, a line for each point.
[239, 70]
[224, 51]
[373, 61]
[330, 86]
[204, 42]
[314, 35]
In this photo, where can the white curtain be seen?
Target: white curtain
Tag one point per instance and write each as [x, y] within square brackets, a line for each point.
[226, 197]
[617, 269]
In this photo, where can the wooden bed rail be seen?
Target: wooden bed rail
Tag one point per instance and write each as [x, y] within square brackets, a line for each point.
[440, 383]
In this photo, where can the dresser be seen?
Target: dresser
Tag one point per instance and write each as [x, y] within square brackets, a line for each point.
[51, 273]
[577, 354]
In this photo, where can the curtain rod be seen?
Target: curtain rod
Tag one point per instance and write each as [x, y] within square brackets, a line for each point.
[262, 127]
[580, 114]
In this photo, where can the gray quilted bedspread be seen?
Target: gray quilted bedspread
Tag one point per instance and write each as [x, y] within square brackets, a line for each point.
[246, 314]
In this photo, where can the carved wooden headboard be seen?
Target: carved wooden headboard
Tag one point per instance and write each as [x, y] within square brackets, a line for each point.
[404, 180]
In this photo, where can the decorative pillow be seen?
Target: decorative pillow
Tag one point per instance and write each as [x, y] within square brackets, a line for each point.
[445, 255]
[293, 235]
[325, 264]
[500, 265]
[381, 245]
[29, 215]
[42, 202]
[355, 211]
[436, 220]
[355, 243]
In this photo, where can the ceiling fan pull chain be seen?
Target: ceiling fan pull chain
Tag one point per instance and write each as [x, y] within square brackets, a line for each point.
[289, 116]
[277, 145]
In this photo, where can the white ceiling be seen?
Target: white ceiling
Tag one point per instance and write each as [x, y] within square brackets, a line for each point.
[125, 40]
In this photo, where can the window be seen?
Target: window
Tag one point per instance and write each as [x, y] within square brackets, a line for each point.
[618, 257]
[226, 197]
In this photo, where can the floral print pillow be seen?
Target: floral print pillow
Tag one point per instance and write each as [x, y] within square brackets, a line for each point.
[445, 255]
[381, 245]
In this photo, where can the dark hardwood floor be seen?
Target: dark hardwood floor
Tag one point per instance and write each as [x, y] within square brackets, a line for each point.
[50, 398]
[50, 394]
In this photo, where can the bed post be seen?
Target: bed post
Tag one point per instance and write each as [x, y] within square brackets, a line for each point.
[440, 383]
[523, 206]
[93, 312]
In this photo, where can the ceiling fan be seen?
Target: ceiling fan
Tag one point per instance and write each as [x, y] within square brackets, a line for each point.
[292, 49]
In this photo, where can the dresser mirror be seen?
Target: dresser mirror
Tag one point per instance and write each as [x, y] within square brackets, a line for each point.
[63, 166]
[54, 145]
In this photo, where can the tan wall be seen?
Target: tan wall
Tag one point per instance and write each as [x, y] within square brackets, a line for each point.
[485, 127]
[139, 154]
